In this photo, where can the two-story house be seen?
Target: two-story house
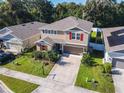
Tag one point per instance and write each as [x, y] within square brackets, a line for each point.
[70, 35]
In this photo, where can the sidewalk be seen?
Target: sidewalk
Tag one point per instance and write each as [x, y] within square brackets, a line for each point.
[22, 76]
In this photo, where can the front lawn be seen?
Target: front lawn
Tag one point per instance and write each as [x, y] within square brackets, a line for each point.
[87, 74]
[18, 86]
[29, 65]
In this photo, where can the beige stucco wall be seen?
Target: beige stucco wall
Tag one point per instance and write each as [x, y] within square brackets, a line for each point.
[30, 42]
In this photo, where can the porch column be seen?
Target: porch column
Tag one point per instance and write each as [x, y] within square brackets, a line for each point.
[62, 48]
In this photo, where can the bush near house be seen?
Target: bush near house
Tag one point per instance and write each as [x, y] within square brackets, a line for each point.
[107, 67]
[87, 59]
[46, 55]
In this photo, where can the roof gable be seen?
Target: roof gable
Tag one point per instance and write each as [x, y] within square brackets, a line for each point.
[68, 23]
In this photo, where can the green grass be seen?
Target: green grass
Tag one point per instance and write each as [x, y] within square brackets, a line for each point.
[29, 65]
[104, 82]
[18, 86]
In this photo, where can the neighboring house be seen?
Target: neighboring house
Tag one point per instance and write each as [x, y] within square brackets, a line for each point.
[17, 38]
[114, 46]
[70, 35]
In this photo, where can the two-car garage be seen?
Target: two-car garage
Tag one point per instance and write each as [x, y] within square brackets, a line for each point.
[73, 50]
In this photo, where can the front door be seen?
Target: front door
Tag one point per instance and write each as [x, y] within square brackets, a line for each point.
[58, 47]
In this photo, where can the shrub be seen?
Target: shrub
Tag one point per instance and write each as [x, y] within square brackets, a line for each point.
[53, 56]
[49, 55]
[87, 60]
[107, 68]
[45, 55]
[37, 55]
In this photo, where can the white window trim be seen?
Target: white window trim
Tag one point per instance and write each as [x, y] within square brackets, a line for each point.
[47, 32]
[76, 36]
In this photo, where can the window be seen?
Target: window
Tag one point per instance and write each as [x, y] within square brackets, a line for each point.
[48, 31]
[78, 36]
[51, 31]
[54, 32]
[43, 31]
[73, 35]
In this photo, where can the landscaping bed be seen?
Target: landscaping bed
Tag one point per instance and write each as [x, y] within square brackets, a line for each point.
[27, 64]
[94, 78]
[18, 86]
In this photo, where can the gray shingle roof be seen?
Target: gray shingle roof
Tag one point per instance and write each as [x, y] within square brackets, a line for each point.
[69, 23]
[114, 38]
[49, 40]
[27, 30]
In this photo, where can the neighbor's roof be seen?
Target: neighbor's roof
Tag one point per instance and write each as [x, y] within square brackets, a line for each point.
[69, 23]
[114, 38]
[24, 31]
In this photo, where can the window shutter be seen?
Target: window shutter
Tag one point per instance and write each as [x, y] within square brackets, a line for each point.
[70, 35]
[81, 37]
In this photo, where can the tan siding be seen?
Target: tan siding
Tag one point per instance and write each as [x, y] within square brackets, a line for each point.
[85, 38]
[65, 36]
[31, 41]
[59, 35]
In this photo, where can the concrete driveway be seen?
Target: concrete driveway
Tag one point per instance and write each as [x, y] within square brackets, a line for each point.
[66, 70]
[118, 80]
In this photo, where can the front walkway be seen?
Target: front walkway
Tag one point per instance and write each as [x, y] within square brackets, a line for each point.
[118, 80]
[60, 80]
[21, 76]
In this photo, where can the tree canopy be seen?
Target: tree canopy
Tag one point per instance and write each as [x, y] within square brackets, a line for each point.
[103, 13]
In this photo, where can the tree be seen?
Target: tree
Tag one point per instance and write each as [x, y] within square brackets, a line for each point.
[21, 11]
[68, 9]
[87, 60]
[102, 14]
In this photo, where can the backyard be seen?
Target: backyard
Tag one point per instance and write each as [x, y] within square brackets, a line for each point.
[25, 63]
[96, 37]
[103, 82]
[18, 86]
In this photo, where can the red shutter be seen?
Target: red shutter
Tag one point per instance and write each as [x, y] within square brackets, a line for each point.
[70, 35]
[81, 37]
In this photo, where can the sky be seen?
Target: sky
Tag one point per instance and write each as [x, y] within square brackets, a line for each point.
[60, 1]
[76, 1]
